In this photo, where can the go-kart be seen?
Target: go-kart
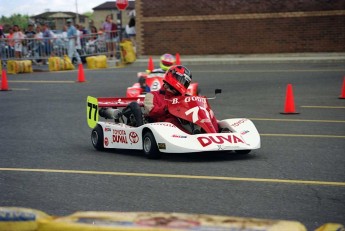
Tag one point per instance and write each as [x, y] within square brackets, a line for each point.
[128, 128]
[153, 81]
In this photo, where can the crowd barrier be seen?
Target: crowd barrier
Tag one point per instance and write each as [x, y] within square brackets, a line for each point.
[19, 66]
[25, 219]
[40, 50]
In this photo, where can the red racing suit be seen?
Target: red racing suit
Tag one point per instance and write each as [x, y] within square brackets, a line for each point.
[156, 108]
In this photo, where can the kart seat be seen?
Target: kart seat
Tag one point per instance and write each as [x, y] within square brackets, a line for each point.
[133, 114]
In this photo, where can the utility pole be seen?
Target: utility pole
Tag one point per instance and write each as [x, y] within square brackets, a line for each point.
[77, 15]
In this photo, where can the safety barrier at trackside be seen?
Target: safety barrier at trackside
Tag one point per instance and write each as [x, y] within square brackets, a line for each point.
[24, 219]
[60, 64]
[95, 62]
[15, 67]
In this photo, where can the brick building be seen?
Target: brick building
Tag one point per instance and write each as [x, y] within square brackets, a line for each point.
[198, 27]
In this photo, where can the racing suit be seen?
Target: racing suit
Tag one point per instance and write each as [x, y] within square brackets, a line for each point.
[156, 108]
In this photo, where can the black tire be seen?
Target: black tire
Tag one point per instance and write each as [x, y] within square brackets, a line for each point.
[133, 114]
[150, 146]
[242, 152]
[97, 137]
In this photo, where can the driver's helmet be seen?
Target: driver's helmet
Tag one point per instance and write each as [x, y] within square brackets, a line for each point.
[178, 77]
[166, 61]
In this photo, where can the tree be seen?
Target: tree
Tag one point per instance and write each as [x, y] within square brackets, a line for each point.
[15, 19]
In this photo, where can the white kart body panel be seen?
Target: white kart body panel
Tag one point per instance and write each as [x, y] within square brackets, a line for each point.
[170, 139]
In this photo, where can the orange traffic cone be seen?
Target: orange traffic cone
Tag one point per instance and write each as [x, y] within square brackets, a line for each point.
[178, 61]
[81, 75]
[342, 96]
[150, 65]
[289, 101]
[4, 84]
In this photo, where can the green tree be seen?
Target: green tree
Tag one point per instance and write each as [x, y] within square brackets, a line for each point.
[15, 19]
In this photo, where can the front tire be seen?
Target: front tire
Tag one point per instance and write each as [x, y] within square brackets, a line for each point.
[150, 146]
[97, 138]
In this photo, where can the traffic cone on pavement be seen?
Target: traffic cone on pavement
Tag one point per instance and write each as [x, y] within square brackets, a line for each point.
[81, 75]
[178, 61]
[150, 65]
[342, 96]
[4, 84]
[289, 101]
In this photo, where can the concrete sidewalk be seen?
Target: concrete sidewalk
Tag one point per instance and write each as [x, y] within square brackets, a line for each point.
[251, 58]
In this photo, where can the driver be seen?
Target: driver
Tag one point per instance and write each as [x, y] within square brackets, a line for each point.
[166, 61]
[176, 81]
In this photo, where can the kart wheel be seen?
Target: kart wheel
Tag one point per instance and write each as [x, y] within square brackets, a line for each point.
[150, 146]
[242, 152]
[97, 138]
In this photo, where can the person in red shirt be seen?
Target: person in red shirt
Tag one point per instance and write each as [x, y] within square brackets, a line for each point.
[176, 81]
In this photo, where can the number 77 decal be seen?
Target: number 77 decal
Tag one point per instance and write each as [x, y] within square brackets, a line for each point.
[92, 111]
[195, 111]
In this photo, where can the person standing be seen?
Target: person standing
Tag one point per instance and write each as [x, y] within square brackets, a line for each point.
[130, 31]
[72, 38]
[18, 36]
[108, 28]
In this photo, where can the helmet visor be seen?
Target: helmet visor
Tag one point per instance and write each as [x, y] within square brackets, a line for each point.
[184, 79]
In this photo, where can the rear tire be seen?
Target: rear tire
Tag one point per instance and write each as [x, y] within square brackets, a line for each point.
[242, 152]
[150, 146]
[97, 138]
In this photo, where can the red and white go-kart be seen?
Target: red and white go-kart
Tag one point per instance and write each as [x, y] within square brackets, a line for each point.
[130, 129]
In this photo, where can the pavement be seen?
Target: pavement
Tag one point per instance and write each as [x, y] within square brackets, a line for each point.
[142, 61]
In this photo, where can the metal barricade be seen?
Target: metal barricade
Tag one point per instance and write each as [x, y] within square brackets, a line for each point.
[39, 50]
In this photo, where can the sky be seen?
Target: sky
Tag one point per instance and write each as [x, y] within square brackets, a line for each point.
[34, 7]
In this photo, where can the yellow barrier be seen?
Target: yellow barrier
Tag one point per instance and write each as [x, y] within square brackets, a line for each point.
[95, 62]
[60, 64]
[127, 52]
[25, 219]
[21, 219]
[15, 67]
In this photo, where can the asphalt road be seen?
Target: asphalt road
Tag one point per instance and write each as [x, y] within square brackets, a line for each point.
[47, 161]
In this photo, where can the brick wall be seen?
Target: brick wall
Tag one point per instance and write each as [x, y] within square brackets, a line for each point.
[197, 27]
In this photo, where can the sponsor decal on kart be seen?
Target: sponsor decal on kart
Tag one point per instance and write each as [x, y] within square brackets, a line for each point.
[107, 129]
[189, 99]
[178, 136]
[244, 132]
[207, 140]
[133, 137]
[238, 123]
[164, 124]
[161, 146]
[106, 141]
[119, 136]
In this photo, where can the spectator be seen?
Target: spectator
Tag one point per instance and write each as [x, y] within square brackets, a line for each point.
[10, 43]
[47, 39]
[18, 37]
[30, 35]
[39, 44]
[80, 35]
[72, 40]
[130, 31]
[109, 29]
[2, 43]
[94, 33]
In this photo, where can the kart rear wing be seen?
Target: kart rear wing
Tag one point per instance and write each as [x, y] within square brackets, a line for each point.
[119, 101]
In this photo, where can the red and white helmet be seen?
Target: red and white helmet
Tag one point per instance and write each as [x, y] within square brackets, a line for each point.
[166, 61]
[178, 77]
